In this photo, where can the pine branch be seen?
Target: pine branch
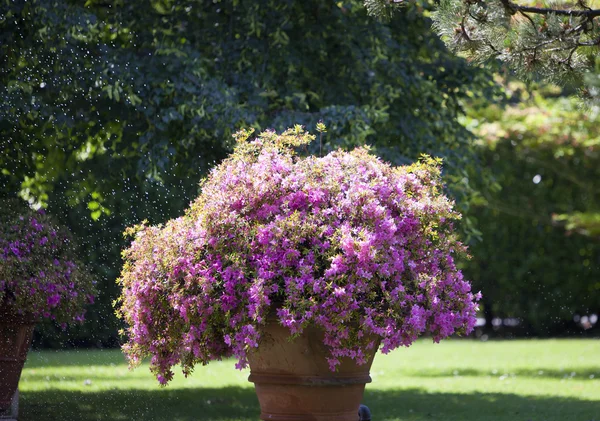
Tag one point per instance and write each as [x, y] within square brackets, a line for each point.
[514, 7]
[593, 43]
[529, 19]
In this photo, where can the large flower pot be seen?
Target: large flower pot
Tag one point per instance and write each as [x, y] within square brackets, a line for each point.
[294, 383]
[15, 338]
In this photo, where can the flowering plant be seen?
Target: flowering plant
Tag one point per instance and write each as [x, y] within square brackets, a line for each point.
[39, 274]
[345, 241]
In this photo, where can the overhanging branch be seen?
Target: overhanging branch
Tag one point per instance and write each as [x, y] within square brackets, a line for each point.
[589, 13]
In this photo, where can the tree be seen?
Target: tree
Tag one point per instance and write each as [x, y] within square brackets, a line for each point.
[112, 111]
[558, 43]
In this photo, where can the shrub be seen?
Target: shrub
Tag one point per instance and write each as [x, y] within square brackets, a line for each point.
[345, 241]
[40, 275]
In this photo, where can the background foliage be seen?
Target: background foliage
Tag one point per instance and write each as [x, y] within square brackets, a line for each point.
[540, 218]
[539, 259]
[111, 111]
[553, 40]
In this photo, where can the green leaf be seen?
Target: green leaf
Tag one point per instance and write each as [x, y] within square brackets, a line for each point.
[96, 215]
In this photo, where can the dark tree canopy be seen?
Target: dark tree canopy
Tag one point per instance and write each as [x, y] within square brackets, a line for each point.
[155, 88]
[113, 110]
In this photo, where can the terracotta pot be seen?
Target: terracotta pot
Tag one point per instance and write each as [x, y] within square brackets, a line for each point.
[294, 383]
[15, 338]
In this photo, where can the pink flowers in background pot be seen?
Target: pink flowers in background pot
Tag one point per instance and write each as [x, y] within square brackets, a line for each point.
[345, 242]
[40, 277]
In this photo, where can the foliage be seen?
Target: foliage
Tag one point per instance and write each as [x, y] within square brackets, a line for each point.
[543, 156]
[544, 152]
[107, 84]
[382, 9]
[39, 273]
[111, 111]
[586, 223]
[558, 42]
[345, 242]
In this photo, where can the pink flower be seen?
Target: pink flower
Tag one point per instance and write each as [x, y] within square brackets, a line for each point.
[53, 300]
[344, 241]
[31, 252]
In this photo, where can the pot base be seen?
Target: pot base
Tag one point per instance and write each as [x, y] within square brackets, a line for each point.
[309, 403]
[11, 413]
[309, 417]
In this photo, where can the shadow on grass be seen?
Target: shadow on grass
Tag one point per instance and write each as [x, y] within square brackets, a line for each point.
[240, 404]
[588, 373]
[418, 405]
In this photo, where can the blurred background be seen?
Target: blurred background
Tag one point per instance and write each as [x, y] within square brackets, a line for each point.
[112, 111]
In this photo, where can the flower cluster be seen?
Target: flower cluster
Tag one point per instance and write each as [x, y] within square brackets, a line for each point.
[39, 274]
[346, 242]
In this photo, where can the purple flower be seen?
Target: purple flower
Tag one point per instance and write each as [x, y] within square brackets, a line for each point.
[33, 277]
[53, 300]
[345, 242]
[36, 225]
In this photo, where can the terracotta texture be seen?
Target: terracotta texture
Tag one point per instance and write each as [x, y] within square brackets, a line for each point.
[15, 338]
[294, 383]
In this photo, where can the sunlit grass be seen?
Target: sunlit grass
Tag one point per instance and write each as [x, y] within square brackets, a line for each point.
[456, 380]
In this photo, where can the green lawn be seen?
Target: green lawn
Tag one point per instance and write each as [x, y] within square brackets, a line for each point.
[457, 380]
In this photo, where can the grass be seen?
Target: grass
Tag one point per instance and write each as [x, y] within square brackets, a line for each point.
[458, 380]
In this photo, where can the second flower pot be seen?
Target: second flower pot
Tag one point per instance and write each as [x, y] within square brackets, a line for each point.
[16, 332]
